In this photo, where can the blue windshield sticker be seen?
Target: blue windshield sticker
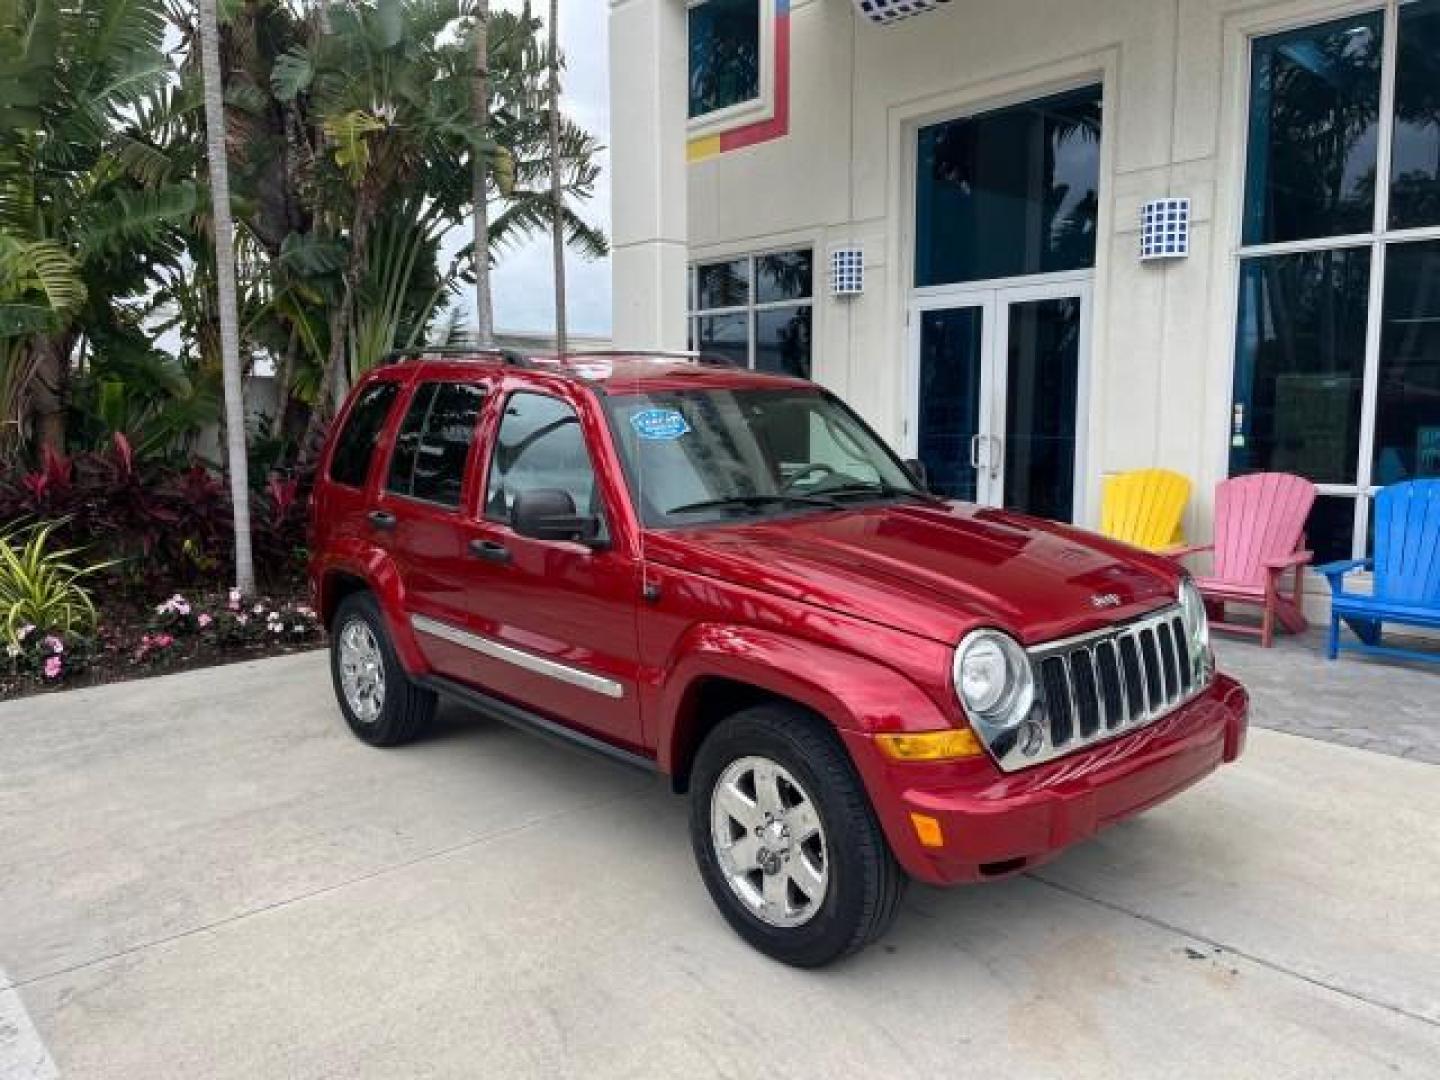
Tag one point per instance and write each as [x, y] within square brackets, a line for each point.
[659, 425]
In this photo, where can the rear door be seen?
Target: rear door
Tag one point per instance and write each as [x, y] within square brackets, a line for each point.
[550, 625]
[424, 501]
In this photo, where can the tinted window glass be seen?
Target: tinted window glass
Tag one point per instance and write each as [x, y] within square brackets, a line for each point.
[726, 336]
[1407, 426]
[402, 459]
[445, 447]
[1299, 365]
[350, 464]
[782, 341]
[1010, 192]
[724, 284]
[785, 275]
[541, 446]
[1415, 158]
[724, 54]
[1314, 118]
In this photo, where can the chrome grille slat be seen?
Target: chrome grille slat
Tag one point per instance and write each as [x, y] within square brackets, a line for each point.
[1109, 683]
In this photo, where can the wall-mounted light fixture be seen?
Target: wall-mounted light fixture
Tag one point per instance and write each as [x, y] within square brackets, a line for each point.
[1165, 229]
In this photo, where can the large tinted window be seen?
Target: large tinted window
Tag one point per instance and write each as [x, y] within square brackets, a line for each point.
[350, 464]
[724, 54]
[434, 443]
[1009, 192]
[1300, 364]
[540, 446]
[1314, 130]
[1407, 426]
[1415, 157]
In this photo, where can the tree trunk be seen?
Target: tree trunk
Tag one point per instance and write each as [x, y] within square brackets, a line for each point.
[283, 376]
[50, 382]
[226, 289]
[557, 193]
[484, 304]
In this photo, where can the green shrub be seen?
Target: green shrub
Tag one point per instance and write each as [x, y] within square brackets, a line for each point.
[40, 588]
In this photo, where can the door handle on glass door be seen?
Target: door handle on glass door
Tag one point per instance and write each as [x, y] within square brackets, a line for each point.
[975, 451]
[996, 450]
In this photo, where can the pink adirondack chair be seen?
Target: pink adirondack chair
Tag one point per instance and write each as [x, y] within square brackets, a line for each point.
[1259, 535]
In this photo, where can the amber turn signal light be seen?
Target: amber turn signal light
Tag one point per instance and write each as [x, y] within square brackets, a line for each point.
[927, 830]
[947, 745]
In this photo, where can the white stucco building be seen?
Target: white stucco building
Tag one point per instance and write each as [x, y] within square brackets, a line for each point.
[988, 161]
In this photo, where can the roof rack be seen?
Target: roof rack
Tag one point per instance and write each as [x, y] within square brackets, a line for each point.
[456, 352]
[682, 355]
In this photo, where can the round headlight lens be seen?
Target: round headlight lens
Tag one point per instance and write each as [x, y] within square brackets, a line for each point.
[1192, 612]
[993, 679]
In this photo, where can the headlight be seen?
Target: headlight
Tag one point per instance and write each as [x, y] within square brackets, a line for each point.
[993, 680]
[1197, 628]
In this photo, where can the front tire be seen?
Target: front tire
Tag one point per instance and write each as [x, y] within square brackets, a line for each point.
[786, 840]
[381, 703]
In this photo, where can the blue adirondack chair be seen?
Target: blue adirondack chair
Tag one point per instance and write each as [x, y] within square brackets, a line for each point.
[1407, 573]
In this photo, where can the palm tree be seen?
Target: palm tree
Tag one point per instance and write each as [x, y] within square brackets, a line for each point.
[484, 303]
[557, 192]
[225, 288]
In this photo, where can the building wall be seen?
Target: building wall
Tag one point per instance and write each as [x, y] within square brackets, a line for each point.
[1174, 74]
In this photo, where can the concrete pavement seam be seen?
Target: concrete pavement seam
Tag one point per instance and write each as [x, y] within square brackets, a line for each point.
[276, 905]
[1270, 965]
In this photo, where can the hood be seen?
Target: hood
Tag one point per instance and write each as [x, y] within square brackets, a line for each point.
[936, 571]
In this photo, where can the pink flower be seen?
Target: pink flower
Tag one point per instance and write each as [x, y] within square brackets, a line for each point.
[162, 641]
[204, 620]
[53, 667]
[24, 632]
[54, 644]
[242, 619]
[234, 599]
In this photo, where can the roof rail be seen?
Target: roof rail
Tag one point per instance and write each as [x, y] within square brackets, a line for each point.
[456, 352]
[683, 355]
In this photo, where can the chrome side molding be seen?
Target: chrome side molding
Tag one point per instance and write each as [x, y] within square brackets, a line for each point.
[586, 680]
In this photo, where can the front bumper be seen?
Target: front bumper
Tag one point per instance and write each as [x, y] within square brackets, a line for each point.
[993, 824]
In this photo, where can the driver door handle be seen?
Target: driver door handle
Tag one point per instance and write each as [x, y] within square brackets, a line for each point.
[490, 551]
[381, 519]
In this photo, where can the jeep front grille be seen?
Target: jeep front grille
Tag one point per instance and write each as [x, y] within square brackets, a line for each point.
[1109, 683]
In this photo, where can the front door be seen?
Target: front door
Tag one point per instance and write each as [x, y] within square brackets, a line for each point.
[998, 390]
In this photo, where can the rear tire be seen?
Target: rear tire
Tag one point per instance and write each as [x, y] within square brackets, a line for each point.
[786, 840]
[381, 703]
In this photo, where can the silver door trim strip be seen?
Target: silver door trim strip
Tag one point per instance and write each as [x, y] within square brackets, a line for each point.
[586, 680]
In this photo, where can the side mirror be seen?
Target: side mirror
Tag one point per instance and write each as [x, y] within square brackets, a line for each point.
[918, 473]
[549, 514]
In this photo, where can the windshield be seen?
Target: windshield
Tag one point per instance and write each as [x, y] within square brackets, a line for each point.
[696, 456]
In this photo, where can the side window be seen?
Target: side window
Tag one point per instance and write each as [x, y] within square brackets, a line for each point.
[540, 446]
[434, 443]
[350, 464]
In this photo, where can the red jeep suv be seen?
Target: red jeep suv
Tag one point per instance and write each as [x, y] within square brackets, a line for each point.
[728, 578]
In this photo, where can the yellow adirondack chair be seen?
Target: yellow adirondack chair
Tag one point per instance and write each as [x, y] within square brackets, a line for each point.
[1145, 508]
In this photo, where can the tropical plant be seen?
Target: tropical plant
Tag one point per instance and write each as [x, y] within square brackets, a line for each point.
[41, 589]
[87, 203]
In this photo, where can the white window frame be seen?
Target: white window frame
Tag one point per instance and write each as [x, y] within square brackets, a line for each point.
[755, 111]
[1377, 241]
[694, 313]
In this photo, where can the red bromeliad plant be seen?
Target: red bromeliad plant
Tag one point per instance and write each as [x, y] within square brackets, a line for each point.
[166, 526]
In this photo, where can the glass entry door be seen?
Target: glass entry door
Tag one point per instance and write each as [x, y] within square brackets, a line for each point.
[998, 392]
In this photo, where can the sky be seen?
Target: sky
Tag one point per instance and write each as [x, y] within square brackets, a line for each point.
[523, 284]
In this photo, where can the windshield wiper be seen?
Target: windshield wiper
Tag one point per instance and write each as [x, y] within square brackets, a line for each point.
[754, 502]
[881, 490]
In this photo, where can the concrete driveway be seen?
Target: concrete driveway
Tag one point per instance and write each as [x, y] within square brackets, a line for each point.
[206, 876]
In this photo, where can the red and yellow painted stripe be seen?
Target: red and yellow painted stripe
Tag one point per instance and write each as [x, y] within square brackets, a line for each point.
[778, 125]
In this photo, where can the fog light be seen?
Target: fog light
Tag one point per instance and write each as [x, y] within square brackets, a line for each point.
[928, 830]
[947, 745]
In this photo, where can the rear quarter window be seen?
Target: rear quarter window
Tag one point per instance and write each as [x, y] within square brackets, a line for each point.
[350, 464]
